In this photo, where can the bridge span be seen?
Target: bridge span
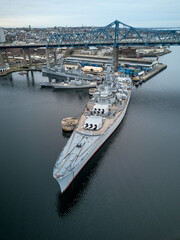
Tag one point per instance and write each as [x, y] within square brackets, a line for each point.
[114, 34]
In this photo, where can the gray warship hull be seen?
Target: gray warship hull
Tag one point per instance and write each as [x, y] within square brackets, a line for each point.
[67, 75]
[60, 86]
[83, 154]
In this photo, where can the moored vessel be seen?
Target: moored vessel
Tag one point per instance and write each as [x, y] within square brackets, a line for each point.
[64, 74]
[74, 84]
[22, 73]
[101, 116]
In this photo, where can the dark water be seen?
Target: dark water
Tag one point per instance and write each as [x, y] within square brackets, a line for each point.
[130, 189]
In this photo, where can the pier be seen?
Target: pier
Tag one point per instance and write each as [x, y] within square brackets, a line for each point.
[139, 62]
[160, 67]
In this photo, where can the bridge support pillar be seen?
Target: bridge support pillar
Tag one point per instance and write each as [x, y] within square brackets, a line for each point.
[115, 57]
[1, 57]
[47, 57]
[7, 59]
[29, 55]
[55, 58]
[24, 57]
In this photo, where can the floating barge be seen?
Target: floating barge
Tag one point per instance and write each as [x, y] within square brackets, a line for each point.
[69, 124]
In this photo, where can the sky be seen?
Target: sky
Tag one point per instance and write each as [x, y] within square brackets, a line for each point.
[43, 13]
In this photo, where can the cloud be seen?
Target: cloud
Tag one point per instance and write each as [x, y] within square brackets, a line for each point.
[40, 13]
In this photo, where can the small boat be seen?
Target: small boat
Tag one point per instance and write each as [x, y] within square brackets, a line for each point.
[22, 73]
[135, 79]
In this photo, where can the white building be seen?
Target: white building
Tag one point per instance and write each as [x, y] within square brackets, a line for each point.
[2, 36]
[4, 67]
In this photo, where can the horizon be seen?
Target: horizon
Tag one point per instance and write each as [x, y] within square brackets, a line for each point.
[85, 26]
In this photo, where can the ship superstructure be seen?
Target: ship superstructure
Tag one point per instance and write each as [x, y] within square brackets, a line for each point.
[101, 116]
[60, 72]
[75, 83]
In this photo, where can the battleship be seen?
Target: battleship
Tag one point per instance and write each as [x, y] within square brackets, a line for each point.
[101, 116]
[62, 73]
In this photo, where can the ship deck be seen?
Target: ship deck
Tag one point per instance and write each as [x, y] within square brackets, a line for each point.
[107, 122]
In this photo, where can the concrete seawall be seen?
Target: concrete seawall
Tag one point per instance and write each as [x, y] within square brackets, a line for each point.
[17, 70]
[160, 67]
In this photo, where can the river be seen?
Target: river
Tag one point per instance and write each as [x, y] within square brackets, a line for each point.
[130, 189]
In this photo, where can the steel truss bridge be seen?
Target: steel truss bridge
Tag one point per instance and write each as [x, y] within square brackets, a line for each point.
[116, 34]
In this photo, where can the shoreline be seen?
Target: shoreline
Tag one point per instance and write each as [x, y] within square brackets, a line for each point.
[5, 73]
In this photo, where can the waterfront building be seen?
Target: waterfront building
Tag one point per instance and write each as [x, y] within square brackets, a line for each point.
[4, 67]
